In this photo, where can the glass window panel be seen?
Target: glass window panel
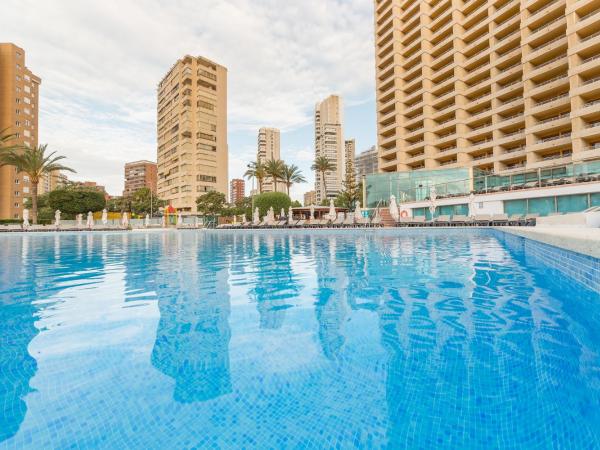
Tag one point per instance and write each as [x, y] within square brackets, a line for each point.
[542, 206]
[595, 199]
[572, 203]
[515, 207]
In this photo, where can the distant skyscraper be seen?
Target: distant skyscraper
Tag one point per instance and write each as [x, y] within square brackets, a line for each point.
[350, 150]
[329, 142]
[269, 147]
[192, 132]
[19, 94]
[310, 198]
[365, 163]
[139, 174]
[237, 188]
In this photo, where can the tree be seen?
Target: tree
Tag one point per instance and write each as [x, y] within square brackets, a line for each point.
[276, 200]
[274, 169]
[296, 204]
[5, 139]
[143, 202]
[351, 193]
[291, 174]
[256, 170]
[242, 206]
[117, 204]
[211, 204]
[35, 163]
[72, 200]
[322, 165]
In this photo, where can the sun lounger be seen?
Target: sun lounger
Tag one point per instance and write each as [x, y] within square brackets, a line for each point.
[348, 222]
[376, 222]
[363, 222]
[14, 227]
[459, 220]
[338, 222]
[402, 222]
[418, 221]
[442, 221]
[482, 219]
[499, 219]
[515, 219]
[530, 219]
[300, 224]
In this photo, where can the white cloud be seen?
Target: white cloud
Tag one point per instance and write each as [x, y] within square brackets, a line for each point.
[100, 63]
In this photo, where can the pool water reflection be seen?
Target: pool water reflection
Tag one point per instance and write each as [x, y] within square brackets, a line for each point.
[418, 339]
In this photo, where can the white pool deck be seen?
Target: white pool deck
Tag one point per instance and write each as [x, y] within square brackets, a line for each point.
[577, 239]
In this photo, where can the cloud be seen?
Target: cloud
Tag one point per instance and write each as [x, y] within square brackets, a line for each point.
[100, 63]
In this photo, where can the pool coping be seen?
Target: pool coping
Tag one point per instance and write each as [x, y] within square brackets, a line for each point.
[585, 241]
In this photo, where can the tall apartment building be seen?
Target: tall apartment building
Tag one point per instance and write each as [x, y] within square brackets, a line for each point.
[365, 163]
[192, 154]
[310, 198]
[329, 142]
[269, 147]
[492, 84]
[237, 190]
[138, 175]
[350, 150]
[19, 95]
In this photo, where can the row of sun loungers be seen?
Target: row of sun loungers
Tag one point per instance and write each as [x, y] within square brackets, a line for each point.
[40, 228]
[461, 220]
[348, 222]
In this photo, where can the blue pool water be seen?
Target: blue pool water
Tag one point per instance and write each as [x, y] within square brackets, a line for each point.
[351, 339]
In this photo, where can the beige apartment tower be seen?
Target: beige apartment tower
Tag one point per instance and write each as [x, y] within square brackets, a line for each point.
[492, 84]
[329, 142]
[192, 154]
[19, 95]
[269, 147]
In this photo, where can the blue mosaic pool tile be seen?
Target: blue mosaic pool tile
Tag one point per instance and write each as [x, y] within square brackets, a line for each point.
[585, 269]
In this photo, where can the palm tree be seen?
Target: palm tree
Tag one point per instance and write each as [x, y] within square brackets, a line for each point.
[256, 169]
[291, 174]
[274, 169]
[35, 163]
[322, 165]
[5, 138]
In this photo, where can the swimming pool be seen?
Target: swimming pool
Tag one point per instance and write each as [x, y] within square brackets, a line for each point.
[295, 339]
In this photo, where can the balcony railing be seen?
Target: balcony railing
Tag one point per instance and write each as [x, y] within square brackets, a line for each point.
[554, 138]
[591, 80]
[547, 24]
[551, 80]
[591, 36]
[547, 63]
[552, 99]
[552, 119]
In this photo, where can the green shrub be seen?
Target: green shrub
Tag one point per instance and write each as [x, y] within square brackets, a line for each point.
[72, 201]
[277, 200]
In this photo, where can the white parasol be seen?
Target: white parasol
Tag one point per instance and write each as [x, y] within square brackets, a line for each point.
[104, 217]
[358, 212]
[394, 208]
[256, 216]
[57, 218]
[90, 220]
[332, 215]
[25, 218]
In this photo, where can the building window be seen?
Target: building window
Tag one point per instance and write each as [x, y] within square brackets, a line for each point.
[16, 204]
[17, 194]
[17, 123]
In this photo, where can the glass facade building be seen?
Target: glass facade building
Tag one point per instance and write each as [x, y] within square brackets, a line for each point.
[415, 185]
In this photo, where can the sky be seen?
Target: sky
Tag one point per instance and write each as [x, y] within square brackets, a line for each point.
[100, 63]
